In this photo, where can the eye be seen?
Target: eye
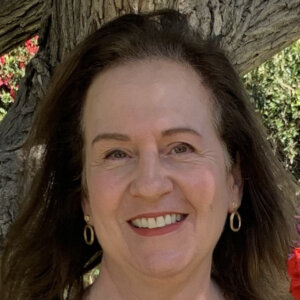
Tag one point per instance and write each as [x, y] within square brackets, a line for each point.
[183, 148]
[116, 154]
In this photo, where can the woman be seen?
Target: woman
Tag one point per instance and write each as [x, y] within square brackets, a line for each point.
[149, 147]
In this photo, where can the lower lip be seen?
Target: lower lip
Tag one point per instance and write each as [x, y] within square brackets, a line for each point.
[157, 231]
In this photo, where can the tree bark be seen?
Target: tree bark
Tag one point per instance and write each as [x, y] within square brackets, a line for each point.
[19, 20]
[251, 32]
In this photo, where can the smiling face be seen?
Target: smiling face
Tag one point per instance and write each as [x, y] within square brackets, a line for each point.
[158, 188]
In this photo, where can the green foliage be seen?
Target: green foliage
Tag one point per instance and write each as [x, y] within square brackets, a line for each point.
[274, 88]
[6, 101]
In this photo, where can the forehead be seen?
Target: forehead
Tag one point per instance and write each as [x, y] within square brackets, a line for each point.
[153, 90]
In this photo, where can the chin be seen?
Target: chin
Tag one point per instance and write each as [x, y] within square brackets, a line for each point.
[162, 264]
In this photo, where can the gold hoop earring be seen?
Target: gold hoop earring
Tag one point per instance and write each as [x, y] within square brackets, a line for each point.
[88, 227]
[232, 227]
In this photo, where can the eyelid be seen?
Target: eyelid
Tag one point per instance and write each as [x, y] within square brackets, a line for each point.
[185, 144]
[109, 153]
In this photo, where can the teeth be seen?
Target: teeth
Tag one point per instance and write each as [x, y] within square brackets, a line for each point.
[151, 223]
[135, 223]
[157, 222]
[168, 219]
[173, 218]
[144, 223]
[139, 222]
[160, 221]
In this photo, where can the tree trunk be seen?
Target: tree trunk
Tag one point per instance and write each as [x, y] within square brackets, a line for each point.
[251, 32]
[19, 20]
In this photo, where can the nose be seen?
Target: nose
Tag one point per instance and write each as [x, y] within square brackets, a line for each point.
[150, 180]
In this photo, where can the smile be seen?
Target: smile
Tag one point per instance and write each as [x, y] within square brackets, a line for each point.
[157, 222]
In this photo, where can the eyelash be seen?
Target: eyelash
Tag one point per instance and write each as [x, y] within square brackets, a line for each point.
[191, 148]
[110, 154]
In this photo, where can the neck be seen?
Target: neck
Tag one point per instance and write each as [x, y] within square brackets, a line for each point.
[118, 283]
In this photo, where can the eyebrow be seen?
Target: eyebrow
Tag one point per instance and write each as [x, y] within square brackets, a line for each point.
[126, 138]
[172, 131]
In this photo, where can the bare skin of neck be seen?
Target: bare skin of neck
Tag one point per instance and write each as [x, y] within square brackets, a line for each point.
[115, 284]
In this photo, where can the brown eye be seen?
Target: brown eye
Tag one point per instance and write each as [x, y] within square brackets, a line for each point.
[183, 148]
[116, 154]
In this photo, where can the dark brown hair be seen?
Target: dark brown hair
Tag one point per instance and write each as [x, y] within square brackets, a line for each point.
[45, 255]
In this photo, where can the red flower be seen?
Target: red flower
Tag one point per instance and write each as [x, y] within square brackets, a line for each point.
[2, 60]
[8, 78]
[21, 64]
[3, 81]
[28, 43]
[294, 272]
[31, 47]
[12, 93]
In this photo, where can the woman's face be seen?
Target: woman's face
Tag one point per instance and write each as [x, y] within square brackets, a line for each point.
[158, 188]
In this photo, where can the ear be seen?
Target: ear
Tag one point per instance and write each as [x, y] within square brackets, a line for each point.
[236, 185]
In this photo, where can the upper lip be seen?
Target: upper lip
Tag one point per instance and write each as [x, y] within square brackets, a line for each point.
[155, 214]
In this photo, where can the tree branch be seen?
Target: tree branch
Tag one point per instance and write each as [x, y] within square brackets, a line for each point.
[250, 31]
[274, 26]
[19, 20]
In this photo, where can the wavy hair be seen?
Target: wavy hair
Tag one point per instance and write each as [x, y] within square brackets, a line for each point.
[45, 256]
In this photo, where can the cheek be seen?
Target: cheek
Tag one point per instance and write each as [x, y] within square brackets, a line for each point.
[102, 192]
[104, 198]
[200, 186]
[206, 192]
[210, 205]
